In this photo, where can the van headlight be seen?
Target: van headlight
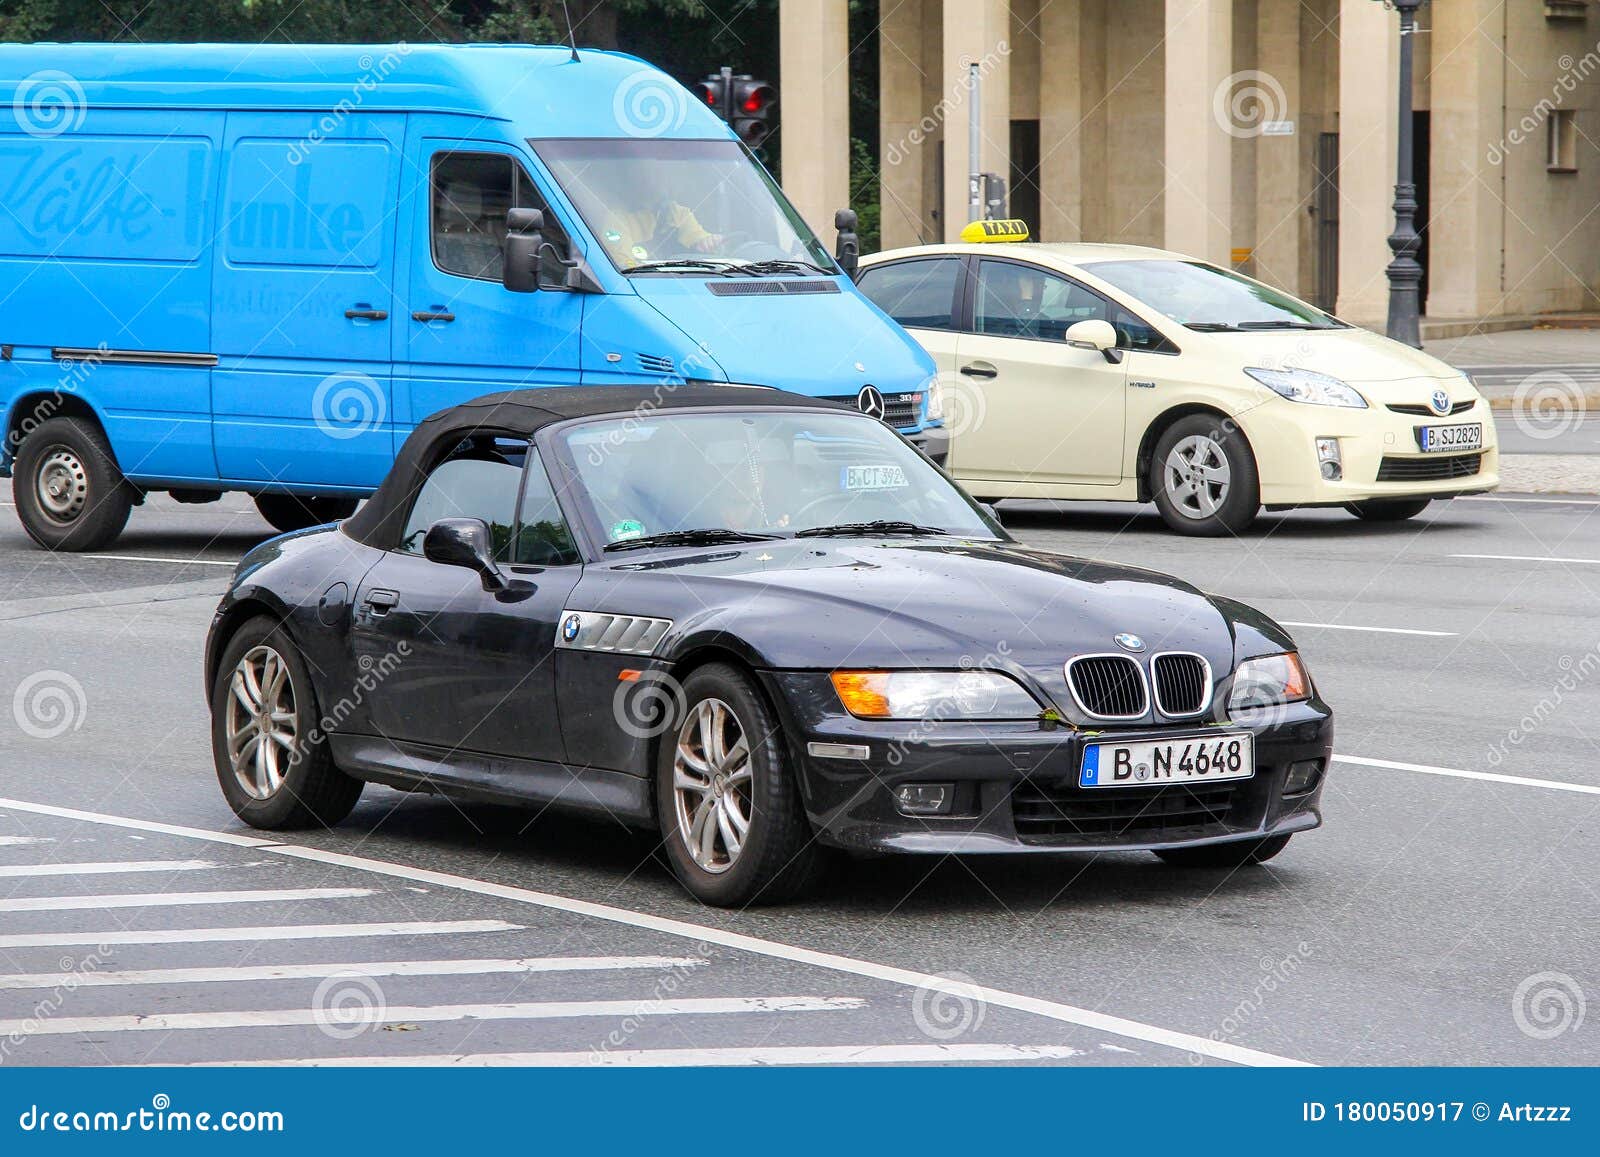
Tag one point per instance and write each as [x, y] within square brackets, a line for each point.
[935, 392]
[934, 695]
[1309, 386]
[1270, 681]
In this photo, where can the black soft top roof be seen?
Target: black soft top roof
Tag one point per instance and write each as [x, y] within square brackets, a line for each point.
[522, 413]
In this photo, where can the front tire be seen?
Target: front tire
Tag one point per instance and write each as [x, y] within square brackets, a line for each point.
[69, 491]
[1389, 509]
[1234, 855]
[288, 512]
[734, 829]
[1203, 477]
[272, 758]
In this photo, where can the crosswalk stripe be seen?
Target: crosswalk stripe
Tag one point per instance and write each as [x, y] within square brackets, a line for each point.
[106, 868]
[231, 935]
[953, 1054]
[19, 841]
[371, 968]
[349, 1018]
[176, 899]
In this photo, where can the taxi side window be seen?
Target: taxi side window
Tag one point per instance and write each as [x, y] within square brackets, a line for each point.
[543, 537]
[1134, 333]
[918, 294]
[1024, 301]
[479, 479]
[470, 195]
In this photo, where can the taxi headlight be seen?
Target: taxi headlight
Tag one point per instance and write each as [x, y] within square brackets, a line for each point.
[934, 695]
[1270, 681]
[1310, 387]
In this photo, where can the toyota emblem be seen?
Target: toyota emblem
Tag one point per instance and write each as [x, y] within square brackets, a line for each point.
[1440, 402]
[870, 402]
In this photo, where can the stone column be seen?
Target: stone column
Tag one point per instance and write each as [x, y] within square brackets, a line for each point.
[1198, 198]
[814, 67]
[1369, 63]
[906, 131]
[1283, 163]
[1061, 127]
[975, 32]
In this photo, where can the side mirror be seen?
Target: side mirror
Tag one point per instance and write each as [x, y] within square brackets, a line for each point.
[523, 246]
[847, 250]
[464, 542]
[1095, 335]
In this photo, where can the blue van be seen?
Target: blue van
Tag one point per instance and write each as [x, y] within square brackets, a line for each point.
[257, 267]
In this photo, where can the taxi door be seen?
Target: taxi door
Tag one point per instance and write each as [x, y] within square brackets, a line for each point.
[923, 295]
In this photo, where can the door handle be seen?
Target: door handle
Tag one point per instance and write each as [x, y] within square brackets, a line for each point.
[382, 601]
[367, 314]
[431, 315]
[980, 370]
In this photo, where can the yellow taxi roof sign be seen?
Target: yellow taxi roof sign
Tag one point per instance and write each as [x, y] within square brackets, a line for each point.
[982, 231]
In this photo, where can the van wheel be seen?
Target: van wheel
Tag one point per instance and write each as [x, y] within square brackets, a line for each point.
[1203, 477]
[69, 492]
[1389, 510]
[288, 512]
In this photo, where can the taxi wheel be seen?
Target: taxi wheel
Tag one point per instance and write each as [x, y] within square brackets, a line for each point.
[1203, 477]
[1234, 855]
[70, 495]
[272, 759]
[1392, 510]
[734, 829]
[288, 512]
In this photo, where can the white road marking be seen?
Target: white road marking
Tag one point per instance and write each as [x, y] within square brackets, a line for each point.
[1527, 558]
[148, 826]
[1374, 630]
[533, 1010]
[99, 869]
[679, 1058]
[232, 935]
[373, 968]
[1050, 1009]
[154, 558]
[19, 841]
[1459, 773]
[176, 899]
[1545, 501]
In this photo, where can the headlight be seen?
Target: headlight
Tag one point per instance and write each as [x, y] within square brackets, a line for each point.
[935, 392]
[1270, 681]
[1309, 386]
[933, 695]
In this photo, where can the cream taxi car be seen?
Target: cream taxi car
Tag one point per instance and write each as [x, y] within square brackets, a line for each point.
[1113, 372]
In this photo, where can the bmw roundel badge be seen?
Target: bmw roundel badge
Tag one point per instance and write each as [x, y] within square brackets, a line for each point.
[1128, 642]
[1440, 401]
[570, 626]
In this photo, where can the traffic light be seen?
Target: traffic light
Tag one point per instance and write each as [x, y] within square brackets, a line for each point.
[713, 90]
[744, 102]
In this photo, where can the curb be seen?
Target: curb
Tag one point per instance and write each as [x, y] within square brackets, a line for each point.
[1586, 402]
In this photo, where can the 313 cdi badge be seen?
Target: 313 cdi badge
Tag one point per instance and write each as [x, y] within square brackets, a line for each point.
[764, 625]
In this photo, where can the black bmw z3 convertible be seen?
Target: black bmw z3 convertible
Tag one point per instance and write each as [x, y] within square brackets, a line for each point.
[766, 627]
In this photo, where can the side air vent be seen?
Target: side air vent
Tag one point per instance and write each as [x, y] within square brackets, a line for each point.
[653, 364]
[769, 288]
[594, 631]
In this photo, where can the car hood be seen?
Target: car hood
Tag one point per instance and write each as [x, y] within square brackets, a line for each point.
[820, 344]
[1384, 370]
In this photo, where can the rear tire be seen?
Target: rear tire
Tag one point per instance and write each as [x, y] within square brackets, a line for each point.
[1389, 509]
[288, 512]
[69, 492]
[1234, 855]
[272, 759]
[722, 772]
[1203, 477]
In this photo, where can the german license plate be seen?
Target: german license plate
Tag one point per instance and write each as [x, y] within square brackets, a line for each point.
[872, 478]
[1152, 763]
[1441, 439]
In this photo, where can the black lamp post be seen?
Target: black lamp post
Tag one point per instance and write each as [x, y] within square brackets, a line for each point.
[1405, 271]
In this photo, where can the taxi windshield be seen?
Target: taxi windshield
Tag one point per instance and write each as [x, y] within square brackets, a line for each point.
[762, 472]
[1205, 297]
[673, 206]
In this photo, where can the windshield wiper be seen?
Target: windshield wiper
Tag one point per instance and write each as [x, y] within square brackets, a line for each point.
[1211, 326]
[681, 263]
[1281, 325]
[701, 536]
[879, 526]
[778, 265]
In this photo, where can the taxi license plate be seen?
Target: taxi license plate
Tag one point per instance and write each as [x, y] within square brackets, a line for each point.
[1153, 763]
[1441, 439]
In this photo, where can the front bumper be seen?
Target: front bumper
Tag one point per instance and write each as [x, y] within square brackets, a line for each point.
[934, 442]
[1016, 783]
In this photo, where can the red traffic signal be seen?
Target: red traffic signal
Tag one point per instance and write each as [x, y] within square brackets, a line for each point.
[755, 101]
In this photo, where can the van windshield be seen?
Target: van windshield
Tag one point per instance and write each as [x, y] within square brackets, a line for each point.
[673, 206]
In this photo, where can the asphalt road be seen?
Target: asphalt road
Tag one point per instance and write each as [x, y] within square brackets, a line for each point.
[1439, 917]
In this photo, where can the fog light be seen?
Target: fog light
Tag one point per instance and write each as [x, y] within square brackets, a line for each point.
[1328, 459]
[924, 799]
[1303, 776]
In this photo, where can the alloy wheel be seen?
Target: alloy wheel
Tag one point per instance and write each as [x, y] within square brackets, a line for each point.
[261, 729]
[711, 782]
[1197, 476]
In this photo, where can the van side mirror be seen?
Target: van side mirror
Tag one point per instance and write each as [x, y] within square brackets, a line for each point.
[524, 245]
[1095, 335]
[464, 542]
[847, 250]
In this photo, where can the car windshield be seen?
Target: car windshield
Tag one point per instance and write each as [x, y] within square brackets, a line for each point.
[706, 203]
[1205, 297]
[762, 472]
